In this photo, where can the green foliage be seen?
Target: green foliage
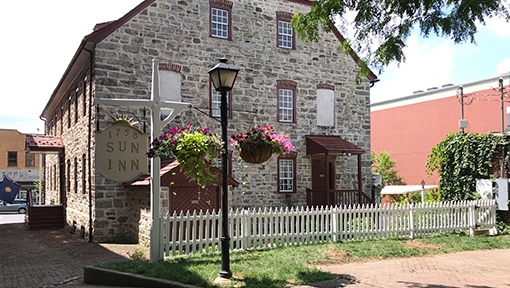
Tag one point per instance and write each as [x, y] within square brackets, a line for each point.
[382, 27]
[193, 148]
[431, 196]
[385, 166]
[461, 159]
[39, 187]
[138, 255]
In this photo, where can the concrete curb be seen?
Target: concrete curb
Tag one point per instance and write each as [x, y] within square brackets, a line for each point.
[106, 277]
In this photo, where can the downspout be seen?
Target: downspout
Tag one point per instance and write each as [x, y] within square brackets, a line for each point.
[41, 170]
[360, 183]
[89, 144]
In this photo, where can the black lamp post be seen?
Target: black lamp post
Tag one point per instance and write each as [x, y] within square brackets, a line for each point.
[223, 76]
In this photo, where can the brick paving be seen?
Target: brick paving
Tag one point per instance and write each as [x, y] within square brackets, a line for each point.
[47, 258]
[474, 269]
[55, 258]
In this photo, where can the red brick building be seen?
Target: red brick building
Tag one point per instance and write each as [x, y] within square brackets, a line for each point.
[409, 127]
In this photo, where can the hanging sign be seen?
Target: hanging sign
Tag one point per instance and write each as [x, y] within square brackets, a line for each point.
[121, 152]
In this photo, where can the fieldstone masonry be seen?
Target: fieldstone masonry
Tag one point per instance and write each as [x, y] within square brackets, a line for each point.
[177, 33]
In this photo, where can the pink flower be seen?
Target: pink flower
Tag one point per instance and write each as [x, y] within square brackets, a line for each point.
[262, 136]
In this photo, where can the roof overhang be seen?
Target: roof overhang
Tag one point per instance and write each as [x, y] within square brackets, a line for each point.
[331, 144]
[43, 144]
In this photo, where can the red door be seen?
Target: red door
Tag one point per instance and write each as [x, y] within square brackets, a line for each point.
[323, 179]
[193, 198]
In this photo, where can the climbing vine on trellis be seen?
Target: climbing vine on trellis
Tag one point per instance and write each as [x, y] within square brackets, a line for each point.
[462, 158]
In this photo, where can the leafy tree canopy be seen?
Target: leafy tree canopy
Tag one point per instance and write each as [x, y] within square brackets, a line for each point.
[382, 27]
[385, 166]
[463, 158]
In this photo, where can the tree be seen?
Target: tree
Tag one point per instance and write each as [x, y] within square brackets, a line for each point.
[463, 158]
[382, 27]
[385, 166]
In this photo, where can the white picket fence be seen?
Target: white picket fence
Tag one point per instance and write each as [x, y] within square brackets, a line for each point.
[199, 232]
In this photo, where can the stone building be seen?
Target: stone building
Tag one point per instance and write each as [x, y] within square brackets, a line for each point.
[307, 92]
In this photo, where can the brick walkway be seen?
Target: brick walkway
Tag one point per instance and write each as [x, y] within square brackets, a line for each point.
[474, 269]
[55, 258]
[47, 258]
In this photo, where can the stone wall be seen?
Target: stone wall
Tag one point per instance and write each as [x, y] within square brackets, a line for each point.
[177, 33]
[70, 172]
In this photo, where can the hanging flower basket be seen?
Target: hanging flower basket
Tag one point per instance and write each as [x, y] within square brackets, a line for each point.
[257, 145]
[193, 148]
[256, 156]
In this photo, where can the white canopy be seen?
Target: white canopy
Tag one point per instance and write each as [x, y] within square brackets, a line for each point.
[403, 189]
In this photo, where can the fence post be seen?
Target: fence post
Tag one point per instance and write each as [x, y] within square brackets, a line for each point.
[472, 222]
[334, 223]
[244, 228]
[411, 221]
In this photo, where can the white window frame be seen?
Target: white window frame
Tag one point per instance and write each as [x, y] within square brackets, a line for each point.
[285, 35]
[286, 175]
[219, 23]
[286, 105]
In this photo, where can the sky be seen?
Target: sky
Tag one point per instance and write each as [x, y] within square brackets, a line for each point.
[39, 39]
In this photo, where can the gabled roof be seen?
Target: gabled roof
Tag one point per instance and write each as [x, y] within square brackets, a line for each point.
[87, 45]
[44, 143]
[321, 144]
[102, 30]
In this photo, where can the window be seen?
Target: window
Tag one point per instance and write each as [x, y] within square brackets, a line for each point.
[221, 19]
[76, 94]
[69, 101]
[29, 160]
[83, 174]
[68, 176]
[215, 104]
[54, 177]
[75, 178]
[61, 121]
[325, 105]
[287, 174]
[285, 33]
[286, 101]
[12, 159]
[84, 94]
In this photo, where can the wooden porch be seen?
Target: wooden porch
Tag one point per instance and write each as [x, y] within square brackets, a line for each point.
[324, 151]
[337, 197]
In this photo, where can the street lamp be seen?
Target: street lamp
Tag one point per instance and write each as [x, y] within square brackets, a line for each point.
[223, 76]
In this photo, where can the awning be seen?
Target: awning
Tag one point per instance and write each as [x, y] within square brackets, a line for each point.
[404, 189]
[43, 144]
[319, 144]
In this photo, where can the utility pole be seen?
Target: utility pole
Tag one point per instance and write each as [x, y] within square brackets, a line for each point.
[462, 122]
[501, 90]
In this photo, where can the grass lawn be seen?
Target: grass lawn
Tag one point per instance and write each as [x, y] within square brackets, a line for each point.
[295, 265]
